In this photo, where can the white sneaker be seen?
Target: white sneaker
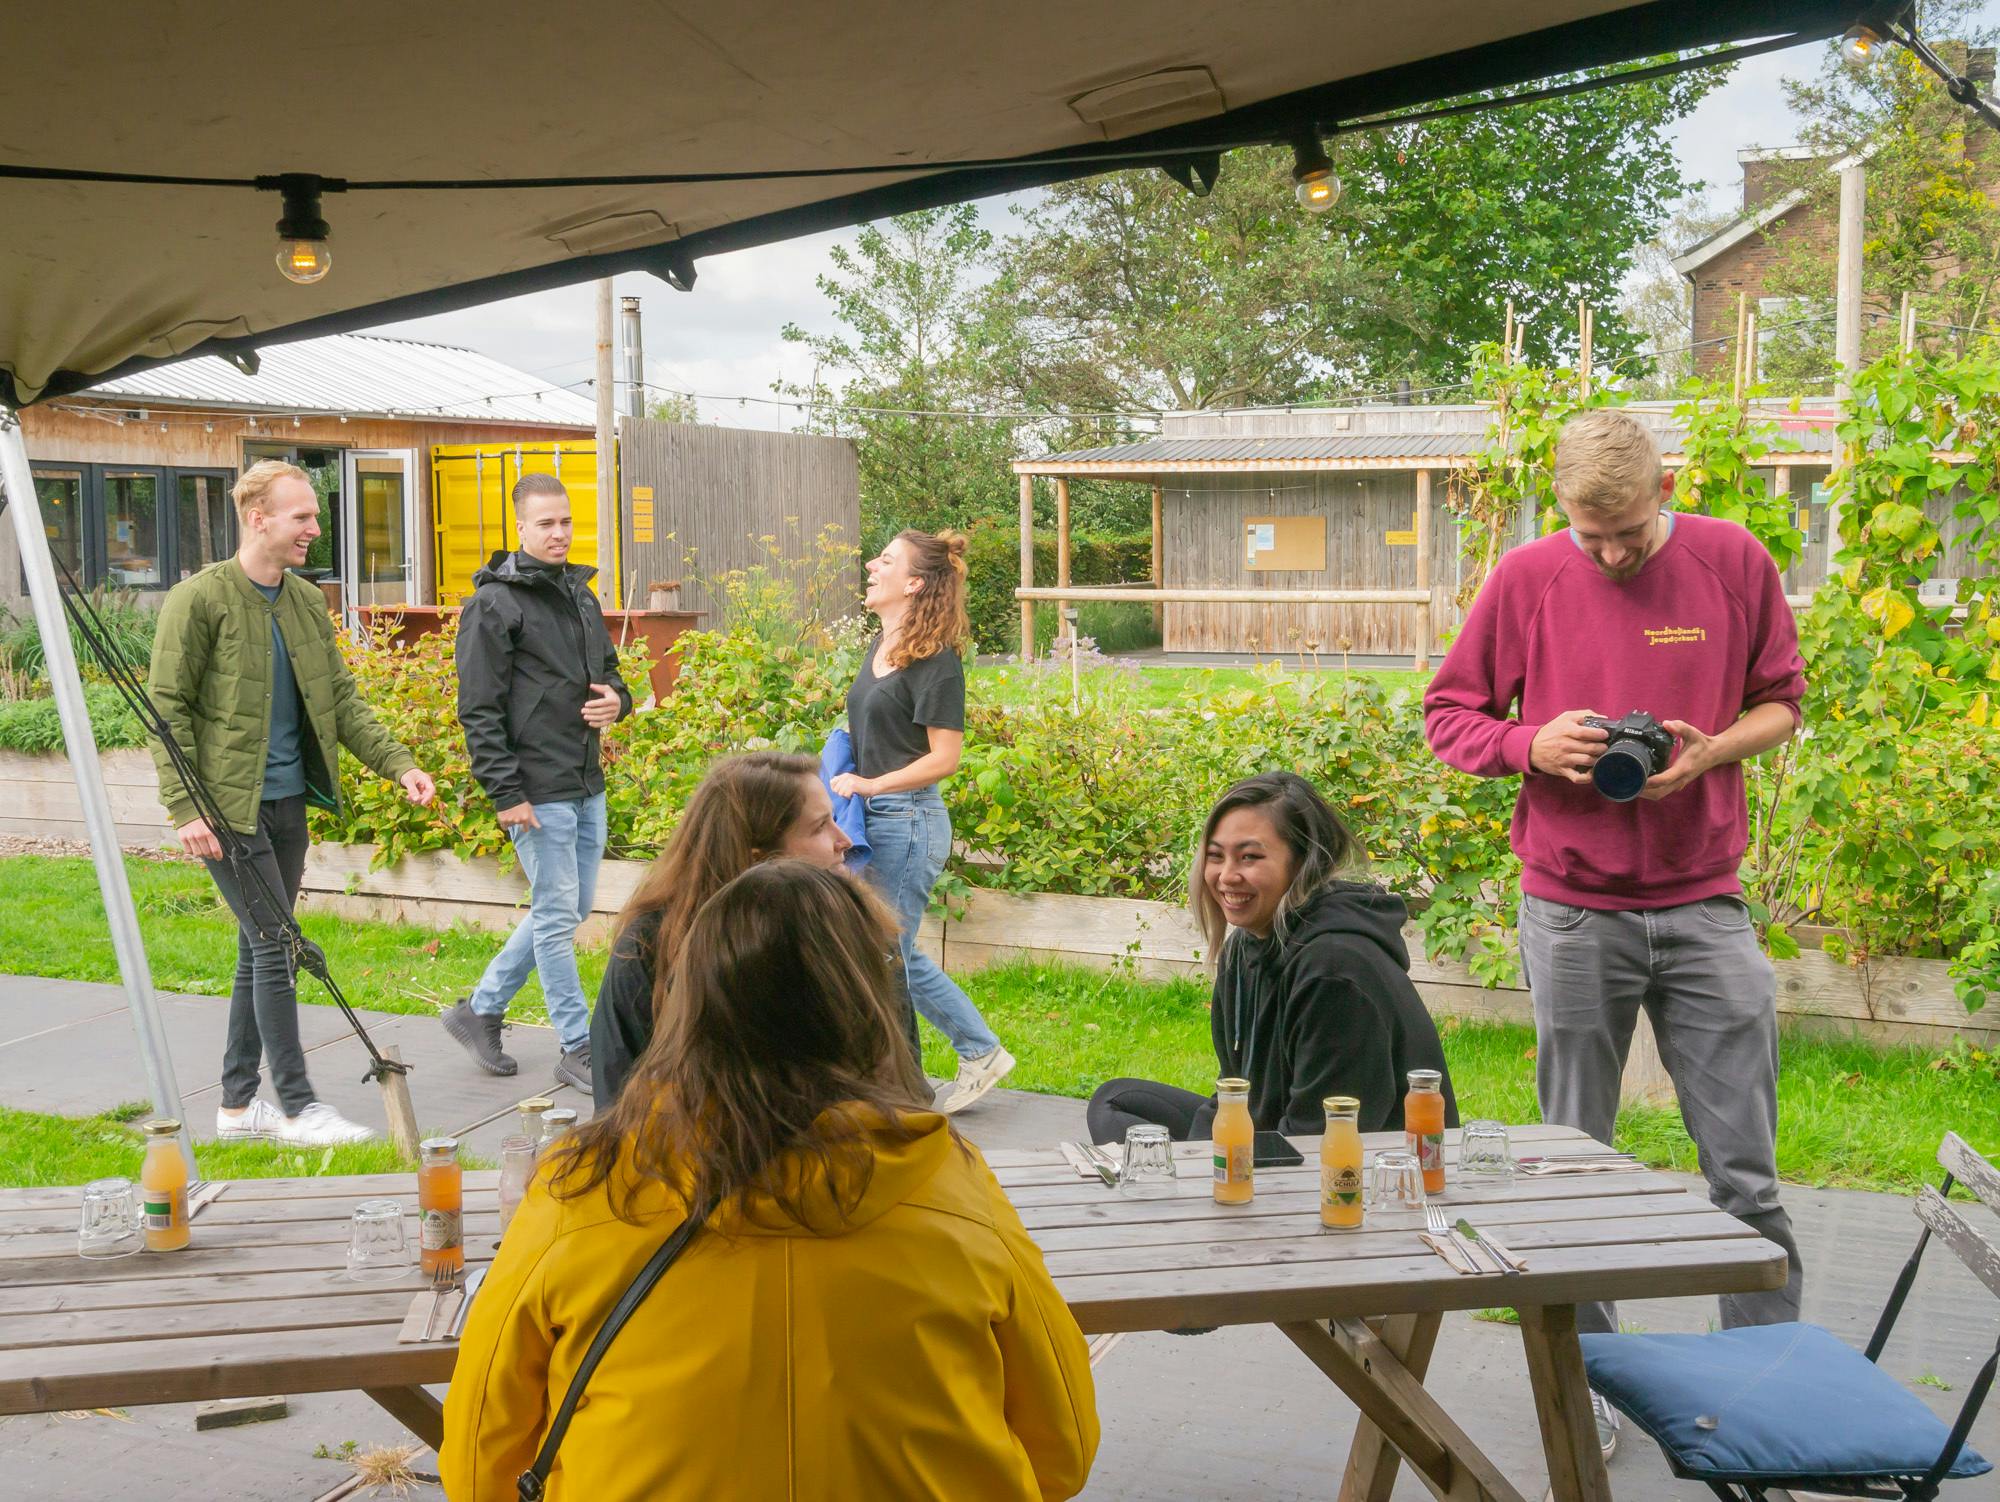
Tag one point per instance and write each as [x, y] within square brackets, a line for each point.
[258, 1122]
[1607, 1424]
[319, 1125]
[975, 1078]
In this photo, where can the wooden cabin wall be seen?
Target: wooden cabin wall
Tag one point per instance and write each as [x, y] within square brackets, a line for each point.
[1203, 549]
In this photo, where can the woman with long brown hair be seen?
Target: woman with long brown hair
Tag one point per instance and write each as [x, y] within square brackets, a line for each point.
[862, 1313]
[906, 714]
[748, 809]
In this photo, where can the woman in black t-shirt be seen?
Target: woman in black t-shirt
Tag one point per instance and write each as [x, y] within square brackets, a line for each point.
[906, 714]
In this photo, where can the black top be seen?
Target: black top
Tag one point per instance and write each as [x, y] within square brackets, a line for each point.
[1327, 1010]
[889, 716]
[531, 641]
[622, 1026]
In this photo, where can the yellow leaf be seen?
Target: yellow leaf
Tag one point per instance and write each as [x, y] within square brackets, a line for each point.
[1889, 609]
[1981, 708]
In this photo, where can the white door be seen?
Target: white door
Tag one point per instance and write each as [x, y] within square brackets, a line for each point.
[378, 492]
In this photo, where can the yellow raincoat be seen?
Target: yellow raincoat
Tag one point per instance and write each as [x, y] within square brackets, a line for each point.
[918, 1351]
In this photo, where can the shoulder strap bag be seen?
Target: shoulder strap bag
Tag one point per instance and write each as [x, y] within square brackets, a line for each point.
[535, 1478]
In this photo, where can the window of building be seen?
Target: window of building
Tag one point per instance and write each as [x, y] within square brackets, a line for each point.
[134, 526]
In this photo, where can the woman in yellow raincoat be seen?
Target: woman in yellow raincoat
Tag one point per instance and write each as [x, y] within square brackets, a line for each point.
[863, 1315]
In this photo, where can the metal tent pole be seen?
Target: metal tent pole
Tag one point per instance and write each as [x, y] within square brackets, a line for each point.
[17, 487]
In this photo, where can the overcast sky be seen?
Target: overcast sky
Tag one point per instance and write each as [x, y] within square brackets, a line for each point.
[722, 340]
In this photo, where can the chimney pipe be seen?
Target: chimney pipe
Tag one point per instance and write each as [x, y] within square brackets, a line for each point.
[635, 357]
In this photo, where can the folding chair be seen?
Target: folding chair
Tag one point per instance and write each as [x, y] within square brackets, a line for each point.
[1763, 1407]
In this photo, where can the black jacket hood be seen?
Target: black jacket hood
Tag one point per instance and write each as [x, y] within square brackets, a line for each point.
[504, 567]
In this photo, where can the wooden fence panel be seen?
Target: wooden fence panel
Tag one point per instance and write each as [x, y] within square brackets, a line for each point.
[716, 492]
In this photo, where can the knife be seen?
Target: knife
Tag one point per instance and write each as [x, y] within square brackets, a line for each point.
[472, 1282]
[1504, 1259]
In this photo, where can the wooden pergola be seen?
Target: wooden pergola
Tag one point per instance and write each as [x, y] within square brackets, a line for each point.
[1427, 455]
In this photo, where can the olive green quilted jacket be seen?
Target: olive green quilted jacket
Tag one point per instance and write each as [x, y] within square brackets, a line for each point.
[211, 678]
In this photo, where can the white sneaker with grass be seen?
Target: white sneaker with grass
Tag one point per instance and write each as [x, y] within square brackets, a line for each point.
[1607, 1424]
[975, 1078]
[319, 1125]
[257, 1122]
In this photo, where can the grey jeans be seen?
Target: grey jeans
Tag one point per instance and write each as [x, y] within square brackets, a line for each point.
[1698, 971]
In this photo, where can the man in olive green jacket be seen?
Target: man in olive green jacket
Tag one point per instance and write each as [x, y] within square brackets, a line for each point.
[247, 672]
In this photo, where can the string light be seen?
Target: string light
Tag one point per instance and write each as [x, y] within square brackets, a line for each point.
[1860, 46]
[303, 254]
[1313, 178]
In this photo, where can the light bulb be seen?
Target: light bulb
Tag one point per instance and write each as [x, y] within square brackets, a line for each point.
[304, 261]
[1860, 46]
[1319, 192]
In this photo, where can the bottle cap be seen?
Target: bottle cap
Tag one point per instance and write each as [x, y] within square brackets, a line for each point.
[1341, 1105]
[1425, 1079]
[1232, 1086]
[161, 1126]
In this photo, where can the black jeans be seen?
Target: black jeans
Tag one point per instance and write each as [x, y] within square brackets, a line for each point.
[1118, 1104]
[264, 1003]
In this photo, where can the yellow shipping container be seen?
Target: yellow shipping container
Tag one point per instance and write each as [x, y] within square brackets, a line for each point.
[470, 485]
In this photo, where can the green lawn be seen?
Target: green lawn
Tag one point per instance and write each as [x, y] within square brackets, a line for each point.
[1848, 1115]
[38, 1150]
[1148, 687]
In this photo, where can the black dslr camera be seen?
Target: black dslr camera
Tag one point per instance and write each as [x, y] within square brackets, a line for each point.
[1639, 748]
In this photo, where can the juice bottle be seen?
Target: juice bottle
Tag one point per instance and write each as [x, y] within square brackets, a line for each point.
[163, 1186]
[441, 1206]
[1423, 1126]
[1235, 1137]
[1340, 1164]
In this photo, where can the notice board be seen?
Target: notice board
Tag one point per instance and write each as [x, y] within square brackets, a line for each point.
[1284, 542]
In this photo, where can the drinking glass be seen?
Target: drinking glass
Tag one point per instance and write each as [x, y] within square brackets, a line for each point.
[111, 1226]
[1484, 1151]
[378, 1246]
[1149, 1160]
[1396, 1182]
[517, 1169]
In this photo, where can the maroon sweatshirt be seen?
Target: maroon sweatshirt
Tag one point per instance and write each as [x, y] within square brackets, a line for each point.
[1701, 633]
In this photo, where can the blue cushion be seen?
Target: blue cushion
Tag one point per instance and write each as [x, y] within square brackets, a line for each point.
[1769, 1402]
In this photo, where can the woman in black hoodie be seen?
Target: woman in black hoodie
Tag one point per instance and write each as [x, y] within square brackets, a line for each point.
[1312, 986]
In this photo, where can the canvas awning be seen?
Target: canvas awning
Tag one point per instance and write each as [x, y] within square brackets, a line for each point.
[99, 278]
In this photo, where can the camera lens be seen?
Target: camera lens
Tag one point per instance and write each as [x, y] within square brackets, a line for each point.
[1621, 772]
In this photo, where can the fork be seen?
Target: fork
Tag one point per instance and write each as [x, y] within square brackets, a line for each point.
[1436, 1222]
[444, 1279]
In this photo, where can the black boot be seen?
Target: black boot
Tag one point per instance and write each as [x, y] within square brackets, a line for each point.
[480, 1036]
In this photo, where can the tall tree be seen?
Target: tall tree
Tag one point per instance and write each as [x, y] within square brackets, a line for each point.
[1125, 291]
[904, 362]
[1538, 204]
[1931, 227]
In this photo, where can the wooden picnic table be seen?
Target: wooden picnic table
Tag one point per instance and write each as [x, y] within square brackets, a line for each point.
[260, 1302]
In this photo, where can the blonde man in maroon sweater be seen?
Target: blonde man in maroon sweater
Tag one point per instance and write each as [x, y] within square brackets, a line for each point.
[1630, 896]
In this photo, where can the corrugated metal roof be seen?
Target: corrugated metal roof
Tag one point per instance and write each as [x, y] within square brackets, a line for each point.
[363, 375]
[1166, 454]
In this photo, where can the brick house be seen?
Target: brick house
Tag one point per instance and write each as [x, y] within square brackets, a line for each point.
[1773, 223]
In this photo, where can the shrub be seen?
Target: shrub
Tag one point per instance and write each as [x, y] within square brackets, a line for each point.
[128, 624]
[33, 726]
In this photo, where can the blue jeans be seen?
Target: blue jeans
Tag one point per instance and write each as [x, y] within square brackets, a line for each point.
[909, 835]
[560, 861]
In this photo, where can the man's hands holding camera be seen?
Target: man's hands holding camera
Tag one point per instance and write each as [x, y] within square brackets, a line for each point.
[1571, 745]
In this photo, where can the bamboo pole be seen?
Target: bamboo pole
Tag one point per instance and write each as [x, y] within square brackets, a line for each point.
[1751, 353]
[1027, 567]
[1424, 624]
[1742, 325]
[1583, 331]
